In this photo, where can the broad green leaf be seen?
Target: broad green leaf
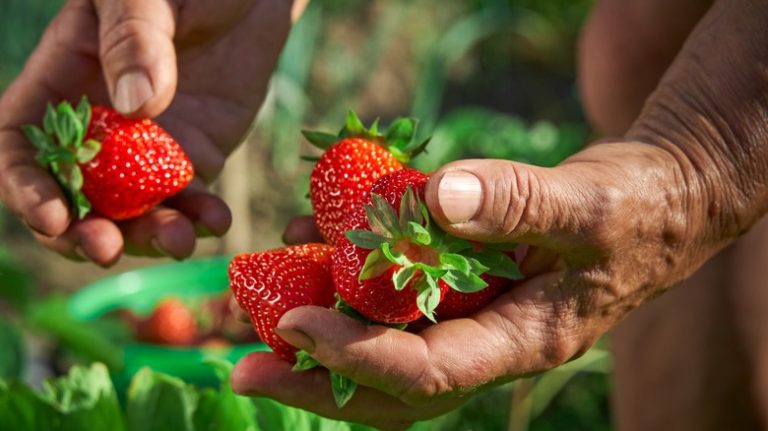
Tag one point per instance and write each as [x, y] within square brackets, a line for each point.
[365, 238]
[159, 402]
[84, 399]
[343, 388]
[21, 408]
[223, 409]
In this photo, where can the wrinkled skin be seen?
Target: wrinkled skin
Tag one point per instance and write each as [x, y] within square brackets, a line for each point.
[182, 47]
[614, 225]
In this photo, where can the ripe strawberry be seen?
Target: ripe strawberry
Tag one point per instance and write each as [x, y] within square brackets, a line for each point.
[457, 304]
[351, 163]
[117, 167]
[268, 284]
[171, 323]
[394, 266]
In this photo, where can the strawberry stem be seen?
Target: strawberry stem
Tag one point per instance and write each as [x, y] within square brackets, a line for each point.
[61, 148]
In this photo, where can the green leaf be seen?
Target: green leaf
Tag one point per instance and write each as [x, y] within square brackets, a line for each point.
[312, 159]
[429, 297]
[159, 402]
[50, 119]
[382, 217]
[21, 408]
[87, 151]
[419, 234]
[84, 399]
[354, 126]
[410, 210]
[403, 276]
[223, 409]
[365, 238]
[83, 112]
[343, 388]
[466, 283]
[374, 129]
[453, 244]
[400, 132]
[11, 344]
[304, 361]
[375, 265]
[39, 139]
[82, 205]
[499, 264]
[456, 262]
[320, 140]
[394, 256]
[68, 128]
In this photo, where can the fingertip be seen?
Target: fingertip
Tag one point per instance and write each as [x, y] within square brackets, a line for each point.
[98, 240]
[255, 372]
[50, 218]
[175, 237]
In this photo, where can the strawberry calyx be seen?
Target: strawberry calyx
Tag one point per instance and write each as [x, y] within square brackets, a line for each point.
[62, 148]
[398, 138]
[424, 254]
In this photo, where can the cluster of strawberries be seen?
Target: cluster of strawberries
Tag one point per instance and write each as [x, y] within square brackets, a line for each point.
[385, 261]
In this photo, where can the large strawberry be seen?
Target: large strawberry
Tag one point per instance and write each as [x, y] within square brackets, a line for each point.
[395, 266]
[119, 168]
[351, 163]
[268, 284]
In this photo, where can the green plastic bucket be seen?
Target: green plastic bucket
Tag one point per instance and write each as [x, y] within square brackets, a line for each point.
[139, 291]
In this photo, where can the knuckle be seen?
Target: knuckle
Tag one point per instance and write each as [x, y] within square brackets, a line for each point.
[428, 385]
[127, 39]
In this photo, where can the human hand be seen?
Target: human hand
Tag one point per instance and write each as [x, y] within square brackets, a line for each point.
[201, 66]
[612, 226]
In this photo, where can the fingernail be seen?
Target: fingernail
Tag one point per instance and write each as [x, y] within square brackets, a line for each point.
[133, 89]
[297, 339]
[460, 194]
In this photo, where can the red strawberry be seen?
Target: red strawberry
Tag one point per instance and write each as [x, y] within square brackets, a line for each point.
[457, 304]
[117, 167]
[268, 284]
[394, 265]
[171, 323]
[352, 162]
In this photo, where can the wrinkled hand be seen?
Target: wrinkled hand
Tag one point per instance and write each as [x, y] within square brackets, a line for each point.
[611, 227]
[202, 66]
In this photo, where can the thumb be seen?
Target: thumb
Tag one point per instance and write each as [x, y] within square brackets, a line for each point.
[504, 201]
[137, 54]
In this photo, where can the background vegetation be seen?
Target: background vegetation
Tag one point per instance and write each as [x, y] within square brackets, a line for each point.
[487, 78]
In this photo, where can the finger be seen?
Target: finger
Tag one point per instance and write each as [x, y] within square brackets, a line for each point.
[504, 201]
[137, 54]
[301, 230]
[93, 238]
[264, 374]
[160, 232]
[27, 189]
[209, 214]
[534, 327]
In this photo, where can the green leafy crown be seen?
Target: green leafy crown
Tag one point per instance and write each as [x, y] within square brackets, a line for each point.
[398, 138]
[61, 147]
[457, 262]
